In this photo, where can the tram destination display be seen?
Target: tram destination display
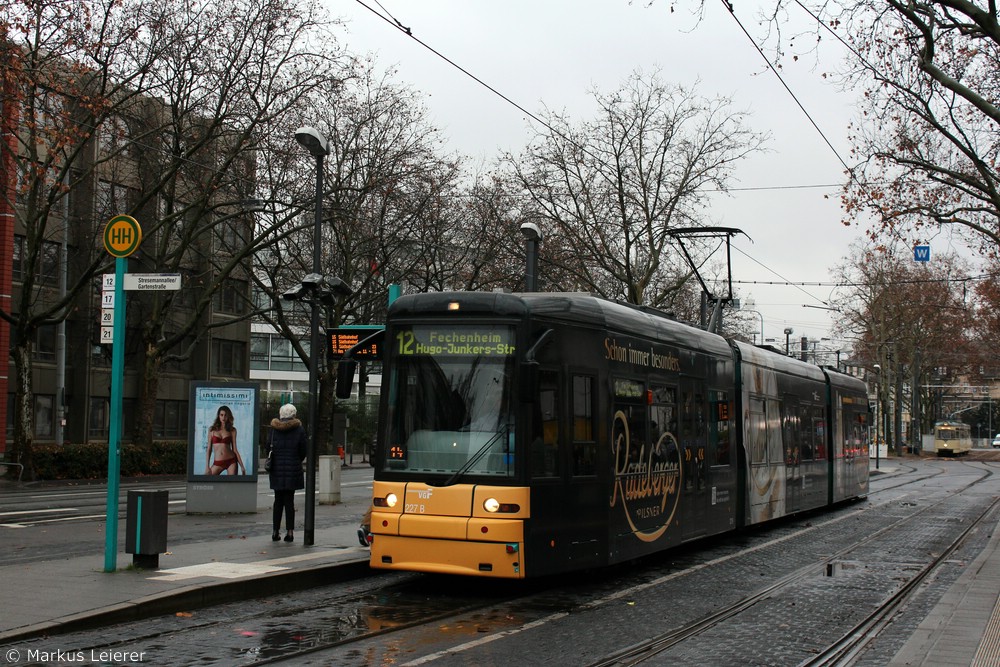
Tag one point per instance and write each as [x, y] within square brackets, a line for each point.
[435, 341]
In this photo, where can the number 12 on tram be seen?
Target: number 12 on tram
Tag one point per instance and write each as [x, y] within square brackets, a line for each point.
[531, 434]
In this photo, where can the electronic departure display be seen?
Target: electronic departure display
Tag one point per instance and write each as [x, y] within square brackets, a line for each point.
[344, 338]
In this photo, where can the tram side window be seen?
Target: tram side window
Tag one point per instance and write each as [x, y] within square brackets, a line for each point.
[819, 432]
[693, 431]
[807, 436]
[545, 438]
[584, 445]
[721, 428]
[663, 424]
[758, 431]
[790, 433]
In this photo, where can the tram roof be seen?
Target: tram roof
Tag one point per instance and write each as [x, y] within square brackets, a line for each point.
[571, 308]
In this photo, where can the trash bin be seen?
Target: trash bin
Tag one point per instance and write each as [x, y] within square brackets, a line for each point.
[146, 527]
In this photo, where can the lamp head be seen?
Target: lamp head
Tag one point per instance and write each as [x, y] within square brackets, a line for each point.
[295, 293]
[531, 232]
[339, 287]
[312, 280]
[312, 141]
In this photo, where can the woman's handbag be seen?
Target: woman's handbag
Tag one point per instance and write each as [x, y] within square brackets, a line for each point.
[270, 448]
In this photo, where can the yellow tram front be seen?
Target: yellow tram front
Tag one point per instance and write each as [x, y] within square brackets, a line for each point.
[446, 497]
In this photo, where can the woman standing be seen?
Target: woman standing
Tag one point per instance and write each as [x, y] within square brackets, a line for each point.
[288, 449]
[223, 455]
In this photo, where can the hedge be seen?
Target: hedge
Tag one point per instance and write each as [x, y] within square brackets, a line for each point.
[90, 460]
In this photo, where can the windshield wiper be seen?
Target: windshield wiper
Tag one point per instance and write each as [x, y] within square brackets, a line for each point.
[475, 457]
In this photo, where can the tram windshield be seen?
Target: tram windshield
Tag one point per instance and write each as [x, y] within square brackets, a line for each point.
[450, 401]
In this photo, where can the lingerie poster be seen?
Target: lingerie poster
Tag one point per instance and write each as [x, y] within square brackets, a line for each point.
[223, 431]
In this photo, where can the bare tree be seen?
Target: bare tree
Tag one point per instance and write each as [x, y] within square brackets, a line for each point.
[927, 139]
[163, 111]
[909, 320]
[238, 76]
[68, 68]
[385, 183]
[610, 190]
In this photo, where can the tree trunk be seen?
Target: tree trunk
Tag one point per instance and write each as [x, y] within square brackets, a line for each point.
[327, 381]
[150, 384]
[24, 412]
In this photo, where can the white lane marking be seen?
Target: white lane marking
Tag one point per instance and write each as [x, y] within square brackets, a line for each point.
[224, 570]
[49, 511]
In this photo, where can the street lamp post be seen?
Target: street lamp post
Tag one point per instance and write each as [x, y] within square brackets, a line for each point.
[316, 144]
[532, 236]
[878, 397]
[761, 316]
[788, 333]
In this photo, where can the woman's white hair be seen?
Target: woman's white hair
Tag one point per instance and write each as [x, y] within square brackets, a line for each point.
[287, 411]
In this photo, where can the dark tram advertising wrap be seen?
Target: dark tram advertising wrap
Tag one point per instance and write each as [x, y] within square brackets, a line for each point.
[530, 434]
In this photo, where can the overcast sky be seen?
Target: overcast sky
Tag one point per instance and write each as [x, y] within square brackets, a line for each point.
[551, 53]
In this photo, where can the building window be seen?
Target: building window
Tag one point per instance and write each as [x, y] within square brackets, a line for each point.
[112, 200]
[275, 353]
[45, 343]
[284, 357]
[258, 351]
[261, 300]
[98, 417]
[17, 272]
[170, 419]
[228, 357]
[231, 297]
[45, 415]
[230, 237]
[48, 262]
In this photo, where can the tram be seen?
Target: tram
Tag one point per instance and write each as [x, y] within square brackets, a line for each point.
[525, 435]
[952, 438]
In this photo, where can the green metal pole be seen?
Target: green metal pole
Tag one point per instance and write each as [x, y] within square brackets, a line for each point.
[114, 435]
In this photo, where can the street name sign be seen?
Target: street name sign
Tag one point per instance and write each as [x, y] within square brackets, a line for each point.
[157, 282]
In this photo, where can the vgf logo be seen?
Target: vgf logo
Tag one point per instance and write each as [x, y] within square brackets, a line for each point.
[424, 494]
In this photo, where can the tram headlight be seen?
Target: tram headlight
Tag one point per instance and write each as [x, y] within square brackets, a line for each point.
[391, 499]
[493, 506]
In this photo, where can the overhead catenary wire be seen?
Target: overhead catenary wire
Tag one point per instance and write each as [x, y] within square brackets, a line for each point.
[398, 25]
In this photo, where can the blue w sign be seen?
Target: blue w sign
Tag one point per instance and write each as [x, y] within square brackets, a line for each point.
[921, 253]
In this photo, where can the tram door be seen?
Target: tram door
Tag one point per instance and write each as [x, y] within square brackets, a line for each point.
[568, 506]
[693, 426]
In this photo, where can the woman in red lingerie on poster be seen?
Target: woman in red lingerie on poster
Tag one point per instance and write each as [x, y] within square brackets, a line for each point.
[222, 454]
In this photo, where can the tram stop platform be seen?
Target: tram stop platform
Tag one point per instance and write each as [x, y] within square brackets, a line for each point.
[232, 558]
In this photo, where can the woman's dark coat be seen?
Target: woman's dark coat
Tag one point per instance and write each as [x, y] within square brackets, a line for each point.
[288, 449]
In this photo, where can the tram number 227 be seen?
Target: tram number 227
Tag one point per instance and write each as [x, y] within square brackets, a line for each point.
[415, 508]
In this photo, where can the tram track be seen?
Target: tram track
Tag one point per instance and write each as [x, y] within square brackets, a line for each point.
[843, 650]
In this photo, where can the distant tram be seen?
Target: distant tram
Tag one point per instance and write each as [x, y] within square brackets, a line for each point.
[952, 438]
[523, 435]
